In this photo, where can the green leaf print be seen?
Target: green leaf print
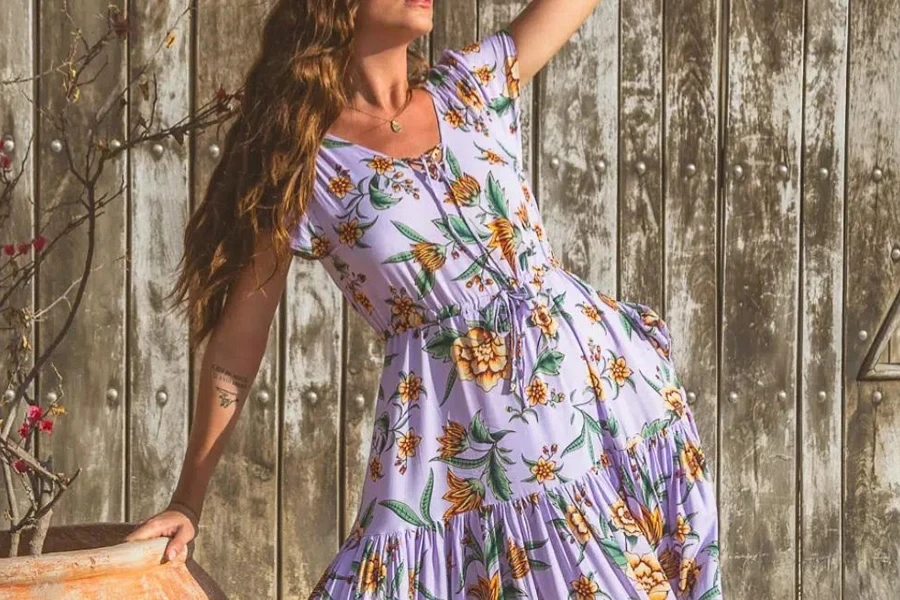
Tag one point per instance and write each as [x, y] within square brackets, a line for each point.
[380, 199]
[496, 197]
[441, 342]
[711, 593]
[576, 443]
[424, 282]
[501, 104]
[425, 502]
[497, 478]
[462, 463]
[404, 256]
[611, 549]
[548, 362]
[492, 546]
[479, 430]
[403, 511]
[454, 164]
[409, 232]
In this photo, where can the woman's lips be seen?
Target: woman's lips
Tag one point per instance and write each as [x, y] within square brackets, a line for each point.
[420, 3]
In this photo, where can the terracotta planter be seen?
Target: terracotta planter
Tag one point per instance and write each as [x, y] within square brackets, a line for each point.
[90, 561]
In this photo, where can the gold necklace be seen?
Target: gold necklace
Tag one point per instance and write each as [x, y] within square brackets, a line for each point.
[395, 125]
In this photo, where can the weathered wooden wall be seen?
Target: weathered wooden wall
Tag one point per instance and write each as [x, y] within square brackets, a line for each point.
[734, 164]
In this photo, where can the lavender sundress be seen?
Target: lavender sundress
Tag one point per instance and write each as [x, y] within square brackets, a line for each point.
[531, 436]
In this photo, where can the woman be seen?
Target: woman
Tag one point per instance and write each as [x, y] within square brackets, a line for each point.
[531, 436]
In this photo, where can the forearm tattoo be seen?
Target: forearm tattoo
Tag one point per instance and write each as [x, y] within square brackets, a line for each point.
[230, 387]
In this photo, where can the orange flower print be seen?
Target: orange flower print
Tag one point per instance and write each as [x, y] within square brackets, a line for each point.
[462, 494]
[321, 246]
[578, 524]
[406, 314]
[340, 186]
[524, 218]
[464, 191]
[688, 576]
[481, 356]
[693, 461]
[492, 157]
[503, 236]
[518, 560]
[375, 469]
[672, 397]
[584, 588]
[619, 370]
[670, 561]
[544, 319]
[485, 74]
[486, 589]
[407, 444]
[454, 118]
[381, 164]
[469, 96]
[363, 301]
[350, 232]
[372, 574]
[543, 470]
[537, 392]
[651, 524]
[682, 528]
[595, 382]
[410, 388]
[608, 300]
[591, 312]
[430, 256]
[412, 583]
[512, 76]
[623, 519]
[646, 570]
[454, 441]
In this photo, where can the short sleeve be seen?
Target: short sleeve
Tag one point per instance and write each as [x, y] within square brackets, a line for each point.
[487, 73]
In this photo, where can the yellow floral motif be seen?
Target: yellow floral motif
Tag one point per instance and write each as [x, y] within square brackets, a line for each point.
[350, 232]
[596, 382]
[578, 525]
[619, 370]
[453, 441]
[484, 73]
[512, 76]
[522, 213]
[544, 319]
[608, 300]
[372, 574]
[412, 583]
[410, 388]
[464, 191]
[407, 315]
[537, 392]
[381, 164]
[584, 588]
[518, 560]
[688, 576]
[651, 524]
[363, 300]
[672, 397]
[543, 470]
[503, 237]
[693, 461]
[340, 186]
[321, 246]
[682, 528]
[454, 118]
[407, 444]
[493, 158]
[623, 519]
[482, 356]
[375, 469]
[486, 589]
[646, 570]
[469, 96]
[591, 312]
[462, 494]
[428, 255]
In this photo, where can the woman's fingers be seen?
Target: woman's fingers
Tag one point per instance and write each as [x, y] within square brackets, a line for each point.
[177, 544]
[150, 529]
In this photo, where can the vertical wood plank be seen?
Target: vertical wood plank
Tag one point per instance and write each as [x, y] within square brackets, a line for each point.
[690, 224]
[17, 121]
[242, 503]
[871, 527]
[641, 220]
[91, 435]
[158, 344]
[577, 152]
[758, 467]
[825, 104]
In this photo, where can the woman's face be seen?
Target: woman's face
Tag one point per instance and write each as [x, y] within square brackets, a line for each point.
[384, 23]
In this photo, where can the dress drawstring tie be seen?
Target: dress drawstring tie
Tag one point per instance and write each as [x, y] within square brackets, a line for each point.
[506, 305]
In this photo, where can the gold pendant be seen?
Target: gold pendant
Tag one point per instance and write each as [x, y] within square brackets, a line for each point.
[395, 126]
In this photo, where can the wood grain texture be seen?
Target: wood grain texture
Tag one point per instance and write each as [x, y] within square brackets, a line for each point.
[577, 150]
[871, 526]
[91, 435]
[689, 228]
[759, 294]
[242, 504]
[158, 345]
[821, 329]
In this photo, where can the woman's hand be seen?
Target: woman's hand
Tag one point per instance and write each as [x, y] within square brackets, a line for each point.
[174, 523]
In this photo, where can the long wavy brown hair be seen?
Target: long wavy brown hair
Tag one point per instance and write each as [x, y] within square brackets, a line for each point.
[296, 88]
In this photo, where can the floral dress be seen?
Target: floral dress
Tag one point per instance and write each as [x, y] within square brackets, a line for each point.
[531, 436]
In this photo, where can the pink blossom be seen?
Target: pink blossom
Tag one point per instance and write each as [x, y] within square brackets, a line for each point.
[39, 242]
[34, 412]
[46, 425]
[9, 249]
[19, 465]
[23, 247]
[24, 429]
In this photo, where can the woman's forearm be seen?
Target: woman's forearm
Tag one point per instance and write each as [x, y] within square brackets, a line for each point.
[226, 374]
